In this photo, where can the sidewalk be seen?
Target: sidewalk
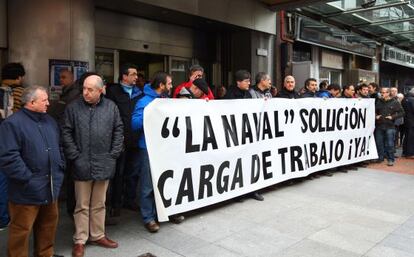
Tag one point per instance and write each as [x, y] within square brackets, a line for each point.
[367, 212]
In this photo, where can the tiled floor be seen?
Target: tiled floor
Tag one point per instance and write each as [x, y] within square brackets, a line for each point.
[367, 213]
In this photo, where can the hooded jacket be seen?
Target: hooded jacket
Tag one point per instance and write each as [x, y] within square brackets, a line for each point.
[138, 115]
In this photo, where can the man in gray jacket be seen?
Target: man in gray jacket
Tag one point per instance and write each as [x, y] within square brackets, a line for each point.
[92, 135]
[262, 87]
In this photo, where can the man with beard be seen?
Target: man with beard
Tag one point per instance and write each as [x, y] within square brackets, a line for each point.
[310, 88]
[363, 91]
[160, 86]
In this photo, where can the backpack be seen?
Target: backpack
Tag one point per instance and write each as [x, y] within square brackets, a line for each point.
[6, 103]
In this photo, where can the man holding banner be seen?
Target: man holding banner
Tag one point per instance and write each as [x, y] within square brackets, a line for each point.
[288, 89]
[161, 85]
[241, 91]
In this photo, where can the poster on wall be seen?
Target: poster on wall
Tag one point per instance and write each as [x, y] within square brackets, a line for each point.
[56, 67]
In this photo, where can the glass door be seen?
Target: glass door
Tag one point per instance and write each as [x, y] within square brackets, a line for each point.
[178, 68]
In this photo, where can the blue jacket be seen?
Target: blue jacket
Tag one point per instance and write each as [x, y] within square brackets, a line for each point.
[30, 157]
[138, 114]
[323, 94]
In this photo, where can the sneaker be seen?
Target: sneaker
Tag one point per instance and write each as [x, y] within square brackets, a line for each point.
[390, 163]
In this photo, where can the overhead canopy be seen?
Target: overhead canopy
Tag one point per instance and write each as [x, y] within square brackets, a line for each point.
[278, 5]
[385, 21]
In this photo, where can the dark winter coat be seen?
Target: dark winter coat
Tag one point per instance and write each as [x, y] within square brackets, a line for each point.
[408, 105]
[30, 157]
[93, 138]
[288, 94]
[57, 108]
[308, 94]
[384, 108]
[126, 106]
[235, 92]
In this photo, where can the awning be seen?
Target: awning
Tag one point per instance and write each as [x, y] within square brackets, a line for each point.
[385, 21]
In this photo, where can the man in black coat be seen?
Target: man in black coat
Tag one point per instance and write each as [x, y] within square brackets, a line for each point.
[241, 91]
[408, 145]
[288, 89]
[387, 110]
[125, 96]
[310, 88]
[92, 135]
[30, 158]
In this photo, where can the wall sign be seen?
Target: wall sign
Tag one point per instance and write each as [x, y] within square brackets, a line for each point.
[397, 56]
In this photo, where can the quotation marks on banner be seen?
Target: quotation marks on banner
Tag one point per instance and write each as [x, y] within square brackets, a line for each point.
[165, 132]
[289, 114]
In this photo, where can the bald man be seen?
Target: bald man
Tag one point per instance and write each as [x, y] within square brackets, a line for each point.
[288, 89]
[93, 139]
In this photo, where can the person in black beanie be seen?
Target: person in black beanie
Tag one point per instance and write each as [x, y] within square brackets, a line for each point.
[199, 89]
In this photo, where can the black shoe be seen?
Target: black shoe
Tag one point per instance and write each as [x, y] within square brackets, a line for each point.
[239, 199]
[56, 255]
[257, 196]
[177, 219]
[327, 173]
[342, 169]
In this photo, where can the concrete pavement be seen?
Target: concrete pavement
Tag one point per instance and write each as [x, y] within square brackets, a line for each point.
[360, 213]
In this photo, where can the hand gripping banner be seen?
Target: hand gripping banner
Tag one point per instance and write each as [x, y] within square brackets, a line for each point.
[204, 152]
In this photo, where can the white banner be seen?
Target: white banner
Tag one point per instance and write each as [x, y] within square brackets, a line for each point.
[204, 152]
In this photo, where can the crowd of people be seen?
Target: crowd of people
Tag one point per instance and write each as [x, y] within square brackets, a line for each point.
[92, 143]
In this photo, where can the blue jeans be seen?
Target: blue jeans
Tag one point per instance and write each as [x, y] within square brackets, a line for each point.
[384, 139]
[4, 213]
[146, 191]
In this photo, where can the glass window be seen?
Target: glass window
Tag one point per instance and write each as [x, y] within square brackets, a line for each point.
[104, 64]
[178, 69]
[333, 76]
